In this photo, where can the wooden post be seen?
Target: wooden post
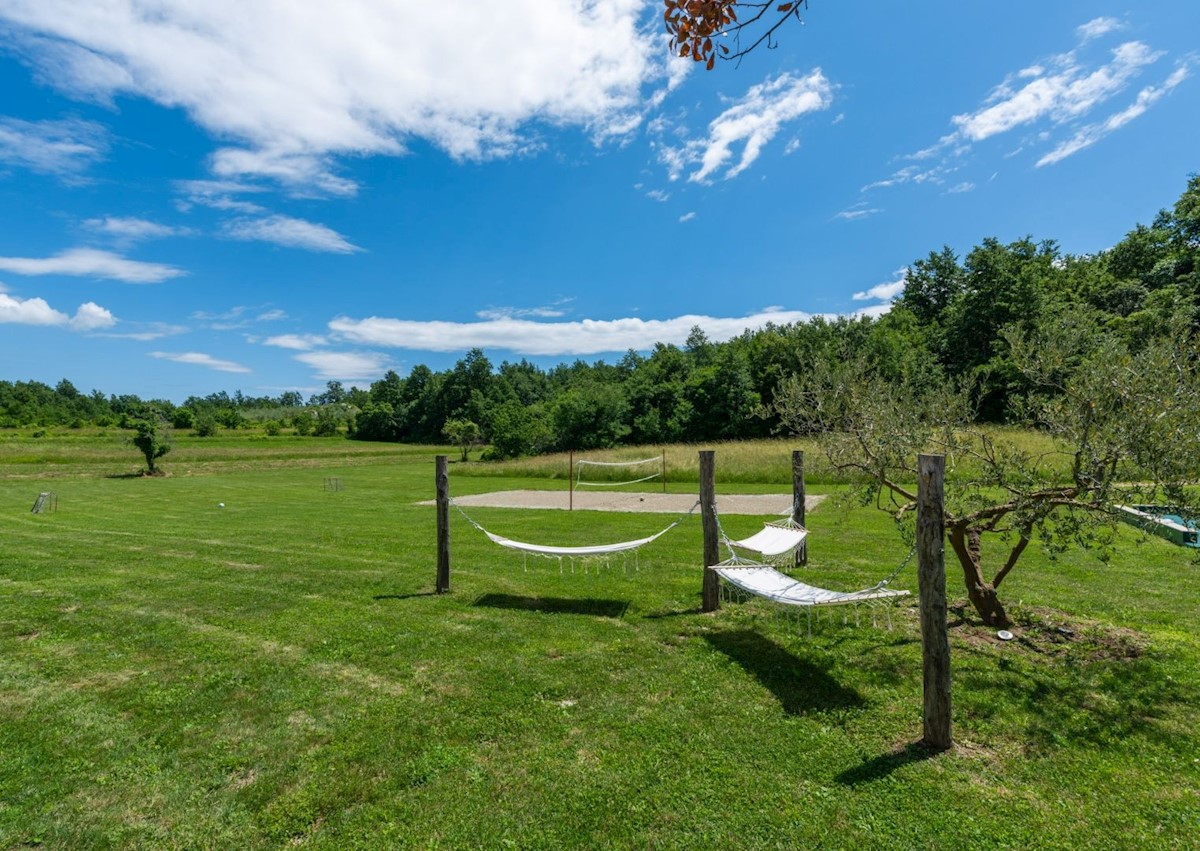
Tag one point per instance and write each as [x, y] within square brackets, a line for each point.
[442, 475]
[931, 582]
[571, 476]
[711, 588]
[664, 470]
[798, 503]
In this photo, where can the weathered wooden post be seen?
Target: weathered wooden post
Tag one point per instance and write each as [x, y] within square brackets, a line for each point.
[711, 589]
[442, 475]
[571, 476]
[798, 503]
[931, 584]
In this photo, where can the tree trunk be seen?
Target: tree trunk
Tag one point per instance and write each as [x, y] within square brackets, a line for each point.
[980, 592]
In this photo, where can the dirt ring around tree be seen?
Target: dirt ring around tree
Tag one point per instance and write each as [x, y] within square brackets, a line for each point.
[652, 503]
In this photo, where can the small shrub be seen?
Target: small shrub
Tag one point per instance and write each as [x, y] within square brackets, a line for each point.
[206, 426]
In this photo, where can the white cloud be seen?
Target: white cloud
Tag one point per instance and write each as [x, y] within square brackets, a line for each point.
[63, 148]
[274, 315]
[886, 291]
[1067, 94]
[201, 359]
[859, 211]
[1097, 27]
[299, 342]
[132, 229]
[36, 311]
[1091, 134]
[550, 311]
[958, 188]
[150, 331]
[92, 263]
[584, 337]
[218, 194]
[290, 233]
[751, 122]
[1044, 101]
[687, 217]
[91, 316]
[295, 85]
[345, 366]
[658, 195]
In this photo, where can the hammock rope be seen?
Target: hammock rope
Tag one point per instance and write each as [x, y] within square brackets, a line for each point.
[601, 551]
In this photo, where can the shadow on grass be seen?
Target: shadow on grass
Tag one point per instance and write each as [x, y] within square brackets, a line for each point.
[799, 685]
[404, 596]
[674, 613]
[881, 766]
[556, 605]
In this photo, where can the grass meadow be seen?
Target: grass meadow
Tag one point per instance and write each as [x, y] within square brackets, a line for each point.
[279, 673]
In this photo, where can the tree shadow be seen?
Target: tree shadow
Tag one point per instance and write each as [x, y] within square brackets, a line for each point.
[881, 766]
[556, 605]
[404, 596]
[799, 685]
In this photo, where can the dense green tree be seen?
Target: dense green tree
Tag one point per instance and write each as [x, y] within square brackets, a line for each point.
[153, 438]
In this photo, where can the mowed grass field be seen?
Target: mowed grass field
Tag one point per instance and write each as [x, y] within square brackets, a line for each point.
[278, 673]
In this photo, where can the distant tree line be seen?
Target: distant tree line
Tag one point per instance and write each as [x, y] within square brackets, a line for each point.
[951, 323]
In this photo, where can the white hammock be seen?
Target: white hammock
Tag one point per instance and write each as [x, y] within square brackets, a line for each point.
[768, 583]
[593, 551]
[774, 539]
[573, 552]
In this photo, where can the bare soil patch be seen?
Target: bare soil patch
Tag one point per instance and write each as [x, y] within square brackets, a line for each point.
[652, 503]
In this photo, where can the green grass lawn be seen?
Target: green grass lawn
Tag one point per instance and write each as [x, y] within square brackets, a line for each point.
[278, 672]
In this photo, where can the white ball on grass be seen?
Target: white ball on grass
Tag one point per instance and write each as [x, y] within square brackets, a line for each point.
[220, 505]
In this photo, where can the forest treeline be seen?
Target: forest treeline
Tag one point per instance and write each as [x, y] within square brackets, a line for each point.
[947, 324]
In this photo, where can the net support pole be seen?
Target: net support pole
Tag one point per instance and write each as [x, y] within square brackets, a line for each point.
[442, 476]
[798, 503]
[710, 591]
[931, 582]
[664, 470]
[571, 476]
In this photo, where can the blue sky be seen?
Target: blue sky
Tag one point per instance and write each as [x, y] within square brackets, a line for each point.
[267, 196]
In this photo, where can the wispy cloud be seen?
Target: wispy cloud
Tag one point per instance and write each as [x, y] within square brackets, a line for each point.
[92, 263]
[298, 342]
[345, 366]
[65, 148]
[373, 78]
[1041, 103]
[36, 311]
[550, 311]
[201, 359]
[523, 336]
[687, 217]
[289, 233]
[130, 230]
[1098, 27]
[860, 210]
[218, 195]
[1093, 133]
[237, 317]
[750, 123]
[146, 331]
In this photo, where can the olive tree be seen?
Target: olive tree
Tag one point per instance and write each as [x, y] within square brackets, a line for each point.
[1120, 427]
